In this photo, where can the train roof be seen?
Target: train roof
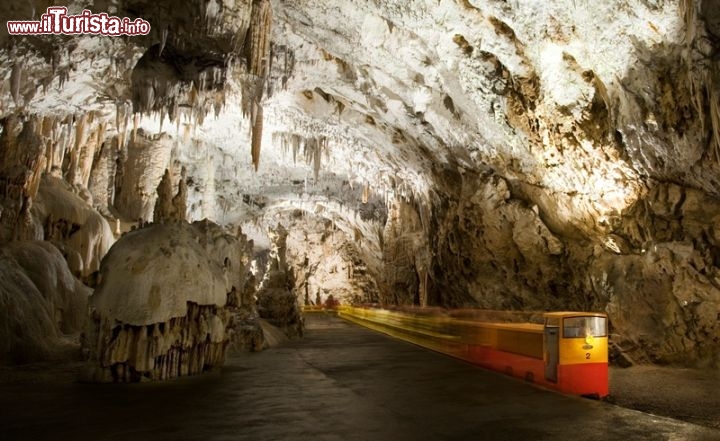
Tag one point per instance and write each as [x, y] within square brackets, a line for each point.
[574, 314]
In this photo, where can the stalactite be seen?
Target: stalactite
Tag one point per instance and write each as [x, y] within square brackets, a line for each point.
[259, 37]
[218, 102]
[192, 95]
[102, 127]
[75, 152]
[186, 133]
[258, 54]
[119, 116]
[202, 80]
[701, 84]
[163, 40]
[15, 82]
[80, 131]
[177, 125]
[257, 128]
[49, 153]
[60, 147]
[325, 148]
[715, 119]
[46, 128]
[688, 13]
[136, 122]
[317, 158]
[295, 141]
[182, 346]
[64, 76]
[163, 113]
[212, 10]
[366, 193]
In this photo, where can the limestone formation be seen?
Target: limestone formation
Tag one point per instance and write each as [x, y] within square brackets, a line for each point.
[142, 171]
[22, 161]
[161, 309]
[42, 305]
[277, 303]
[327, 265]
[163, 204]
[179, 201]
[63, 217]
[405, 257]
[169, 208]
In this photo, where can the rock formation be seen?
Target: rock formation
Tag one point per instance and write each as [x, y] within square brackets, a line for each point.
[169, 208]
[61, 216]
[277, 302]
[162, 307]
[326, 263]
[42, 306]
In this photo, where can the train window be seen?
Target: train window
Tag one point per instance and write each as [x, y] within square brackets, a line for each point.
[581, 327]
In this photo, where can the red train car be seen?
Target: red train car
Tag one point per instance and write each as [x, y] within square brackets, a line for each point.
[567, 353]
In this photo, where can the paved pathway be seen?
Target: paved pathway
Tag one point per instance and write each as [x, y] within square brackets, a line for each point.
[341, 382]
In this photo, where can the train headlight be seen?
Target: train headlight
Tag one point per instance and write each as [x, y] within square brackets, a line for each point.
[589, 339]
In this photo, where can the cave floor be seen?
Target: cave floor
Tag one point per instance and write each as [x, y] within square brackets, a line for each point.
[341, 382]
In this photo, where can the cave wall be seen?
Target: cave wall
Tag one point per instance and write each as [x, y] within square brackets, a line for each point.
[327, 263]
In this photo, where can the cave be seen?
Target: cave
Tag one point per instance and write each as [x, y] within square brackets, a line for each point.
[182, 194]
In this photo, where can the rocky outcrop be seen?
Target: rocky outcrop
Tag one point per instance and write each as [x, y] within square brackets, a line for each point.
[22, 162]
[61, 216]
[661, 282]
[327, 265]
[163, 307]
[277, 303]
[42, 306]
[406, 257]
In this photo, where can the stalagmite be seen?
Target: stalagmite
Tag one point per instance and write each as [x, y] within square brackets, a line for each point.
[71, 221]
[179, 202]
[163, 204]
